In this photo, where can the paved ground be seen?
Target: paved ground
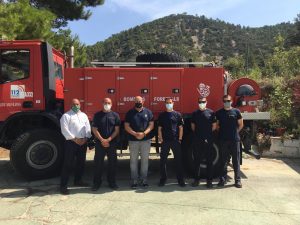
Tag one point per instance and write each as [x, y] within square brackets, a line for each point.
[270, 195]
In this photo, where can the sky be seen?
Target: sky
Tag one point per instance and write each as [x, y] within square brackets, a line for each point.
[119, 15]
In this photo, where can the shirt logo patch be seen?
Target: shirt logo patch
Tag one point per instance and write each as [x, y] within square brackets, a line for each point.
[146, 115]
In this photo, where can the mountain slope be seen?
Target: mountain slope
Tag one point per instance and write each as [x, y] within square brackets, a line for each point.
[198, 38]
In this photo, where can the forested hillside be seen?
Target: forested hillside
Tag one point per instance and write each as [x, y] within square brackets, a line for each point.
[193, 37]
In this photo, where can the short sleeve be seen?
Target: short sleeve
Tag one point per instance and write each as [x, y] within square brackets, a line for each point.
[160, 119]
[193, 120]
[117, 120]
[213, 117]
[94, 122]
[127, 116]
[217, 115]
[239, 115]
[179, 120]
[150, 114]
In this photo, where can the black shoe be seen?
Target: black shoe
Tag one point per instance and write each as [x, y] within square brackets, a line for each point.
[64, 191]
[134, 186]
[238, 184]
[162, 182]
[80, 183]
[222, 183]
[113, 186]
[209, 184]
[196, 183]
[181, 183]
[95, 187]
[145, 185]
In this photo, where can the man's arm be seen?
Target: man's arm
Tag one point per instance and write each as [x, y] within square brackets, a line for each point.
[180, 132]
[64, 126]
[160, 134]
[193, 127]
[149, 128]
[240, 124]
[115, 133]
[129, 129]
[97, 134]
[214, 126]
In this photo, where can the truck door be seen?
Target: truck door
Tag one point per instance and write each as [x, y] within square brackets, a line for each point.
[16, 80]
[133, 83]
[165, 83]
[99, 84]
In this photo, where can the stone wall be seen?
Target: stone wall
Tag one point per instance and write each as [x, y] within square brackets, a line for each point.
[283, 148]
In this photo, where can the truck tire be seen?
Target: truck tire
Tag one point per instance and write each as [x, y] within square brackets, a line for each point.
[160, 57]
[188, 155]
[216, 162]
[38, 154]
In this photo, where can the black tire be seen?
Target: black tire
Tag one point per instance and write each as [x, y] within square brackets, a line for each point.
[38, 154]
[188, 155]
[160, 57]
[203, 171]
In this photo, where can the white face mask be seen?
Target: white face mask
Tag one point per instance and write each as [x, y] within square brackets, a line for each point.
[202, 105]
[169, 106]
[107, 107]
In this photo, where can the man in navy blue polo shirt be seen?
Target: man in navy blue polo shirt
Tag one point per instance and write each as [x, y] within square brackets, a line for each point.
[230, 124]
[138, 124]
[170, 131]
[105, 127]
[203, 124]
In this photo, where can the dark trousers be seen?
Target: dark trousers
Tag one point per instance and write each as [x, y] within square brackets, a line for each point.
[203, 150]
[100, 153]
[164, 152]
[73, 152]
[230, 148]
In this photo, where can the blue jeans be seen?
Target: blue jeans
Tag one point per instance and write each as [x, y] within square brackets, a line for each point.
[137, 148]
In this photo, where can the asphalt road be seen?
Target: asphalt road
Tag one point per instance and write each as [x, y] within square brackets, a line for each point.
[270, 195]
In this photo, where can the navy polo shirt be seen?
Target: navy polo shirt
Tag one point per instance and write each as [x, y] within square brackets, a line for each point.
[139, 121]
[170, 122]
[106, 122]
[228, 122]
[203, 121]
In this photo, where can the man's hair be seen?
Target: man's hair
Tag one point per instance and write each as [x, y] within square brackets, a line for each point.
[201, 97]
[227, 96]
[168, 98]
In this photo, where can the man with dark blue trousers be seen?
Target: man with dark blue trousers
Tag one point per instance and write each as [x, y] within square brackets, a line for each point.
[230, 124]
[106, 127]
[203, 124]
[170, 131]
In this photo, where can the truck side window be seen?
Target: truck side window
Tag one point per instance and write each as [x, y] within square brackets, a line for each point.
[58, 71]
[14, 65]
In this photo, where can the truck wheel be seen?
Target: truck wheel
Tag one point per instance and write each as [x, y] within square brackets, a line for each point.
[190, 162]
[38, 154]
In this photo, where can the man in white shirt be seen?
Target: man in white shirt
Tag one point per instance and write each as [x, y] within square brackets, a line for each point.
[75, 127]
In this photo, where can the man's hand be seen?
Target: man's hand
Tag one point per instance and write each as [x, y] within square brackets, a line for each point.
[80, 141]
[105, 142]
[140, 135]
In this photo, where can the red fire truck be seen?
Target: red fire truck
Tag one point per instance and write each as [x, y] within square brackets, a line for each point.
[35, 86]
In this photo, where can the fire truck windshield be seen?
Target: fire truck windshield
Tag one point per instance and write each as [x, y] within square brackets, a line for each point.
[14, 65]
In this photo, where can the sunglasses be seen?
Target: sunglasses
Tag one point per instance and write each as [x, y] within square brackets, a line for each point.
[202, 102]
[226, 100]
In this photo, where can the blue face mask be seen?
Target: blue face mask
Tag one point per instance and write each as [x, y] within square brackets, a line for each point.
[169, 106]
[227, 104]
